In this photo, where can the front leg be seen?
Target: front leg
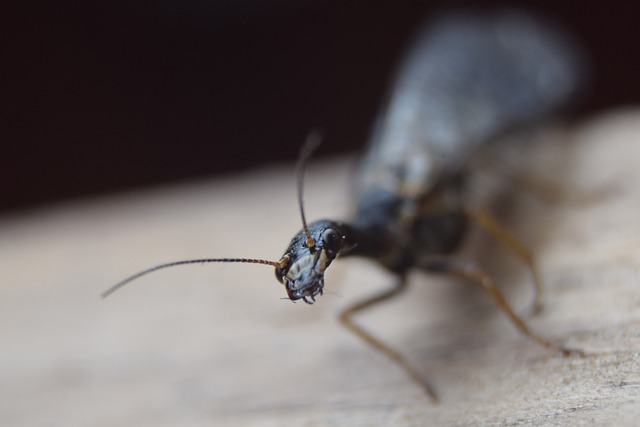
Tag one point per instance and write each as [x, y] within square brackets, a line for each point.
[346, 318]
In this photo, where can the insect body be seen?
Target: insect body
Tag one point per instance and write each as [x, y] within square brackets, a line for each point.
[466, 81]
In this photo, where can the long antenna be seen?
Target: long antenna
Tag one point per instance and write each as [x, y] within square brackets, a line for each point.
[309, 146]
[278, 264]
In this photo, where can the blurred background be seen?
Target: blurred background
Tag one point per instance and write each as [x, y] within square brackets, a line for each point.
[102, 96]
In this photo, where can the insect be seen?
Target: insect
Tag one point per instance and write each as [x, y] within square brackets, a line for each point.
[467, 80]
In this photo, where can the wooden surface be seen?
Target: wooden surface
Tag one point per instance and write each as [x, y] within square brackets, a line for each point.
[217, 344]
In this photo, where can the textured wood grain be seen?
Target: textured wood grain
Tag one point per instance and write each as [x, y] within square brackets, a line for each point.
[216, 345]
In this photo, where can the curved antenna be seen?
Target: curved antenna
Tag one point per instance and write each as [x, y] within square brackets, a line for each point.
[279, 264]
[309, 146]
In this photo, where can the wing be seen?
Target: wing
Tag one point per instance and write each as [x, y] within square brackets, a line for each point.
[467, 79]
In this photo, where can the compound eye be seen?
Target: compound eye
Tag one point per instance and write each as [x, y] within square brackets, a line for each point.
[332, 240]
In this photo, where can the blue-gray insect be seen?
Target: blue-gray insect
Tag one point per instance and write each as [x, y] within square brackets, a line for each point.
[467, 80]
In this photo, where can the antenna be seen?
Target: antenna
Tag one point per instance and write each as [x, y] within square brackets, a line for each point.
[279, 264]
[309, 146]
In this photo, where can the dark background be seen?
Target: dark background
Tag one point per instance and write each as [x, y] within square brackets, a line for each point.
[102, 96]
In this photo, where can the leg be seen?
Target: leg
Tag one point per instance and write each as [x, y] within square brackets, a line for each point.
[493, 227]
[346, 318]
[472, 272]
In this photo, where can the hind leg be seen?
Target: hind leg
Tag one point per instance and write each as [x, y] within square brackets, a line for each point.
[470, 271]
[504, 237]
